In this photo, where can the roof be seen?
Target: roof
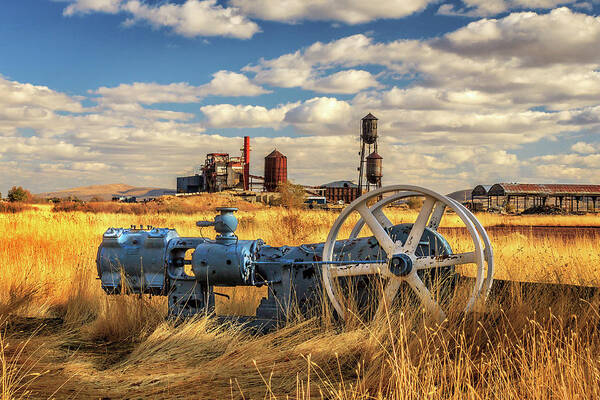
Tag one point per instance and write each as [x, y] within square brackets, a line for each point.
[480, 190]
[503, 189]
[374, 155]
[369, 116]
[340, 184]
[275, 154]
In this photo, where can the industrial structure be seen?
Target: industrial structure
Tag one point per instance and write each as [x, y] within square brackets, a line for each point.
[221, 172]
[370, 168]
[275, 170]
[521, 196]
[340, 191]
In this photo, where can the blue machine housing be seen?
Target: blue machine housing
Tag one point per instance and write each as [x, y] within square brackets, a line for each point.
[136, 254]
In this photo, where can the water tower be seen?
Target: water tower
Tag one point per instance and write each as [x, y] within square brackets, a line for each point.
[371, 163]
[275, 170]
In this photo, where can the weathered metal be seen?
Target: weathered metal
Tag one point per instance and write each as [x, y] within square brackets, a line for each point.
[368, 145]
[246, 161]
[374, 168]
[369, 128]
[521, 189]
[480, 191]
[154, 261]
[427, 221]
[344, 191]
[275, 170]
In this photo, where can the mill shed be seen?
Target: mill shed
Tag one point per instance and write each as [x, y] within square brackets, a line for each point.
[526, 195]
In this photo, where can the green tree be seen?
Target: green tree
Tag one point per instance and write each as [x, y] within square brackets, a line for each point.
[19, 195]
[292, 196]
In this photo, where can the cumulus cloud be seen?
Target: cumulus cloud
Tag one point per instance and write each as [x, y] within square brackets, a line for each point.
[224, 83]
[347, 11]
[484, 8]
[191, 19]
[244, 116]
[89, 6]
[343, 82]
[586, 148]
[25, 94]
[525, 37]
[325, 115]
[316, 116]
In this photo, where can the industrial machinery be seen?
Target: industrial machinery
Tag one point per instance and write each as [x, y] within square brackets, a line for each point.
[357, 274]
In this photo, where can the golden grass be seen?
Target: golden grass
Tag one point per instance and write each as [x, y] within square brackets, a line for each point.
[527, 346]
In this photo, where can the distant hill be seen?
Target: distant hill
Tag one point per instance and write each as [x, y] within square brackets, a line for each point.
[461, 195]
[106, 192]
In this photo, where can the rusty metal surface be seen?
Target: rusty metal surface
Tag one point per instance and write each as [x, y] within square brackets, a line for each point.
[275, 170]
[503, 189]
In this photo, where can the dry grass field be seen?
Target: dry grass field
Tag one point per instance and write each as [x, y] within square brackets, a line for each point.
[62, 337]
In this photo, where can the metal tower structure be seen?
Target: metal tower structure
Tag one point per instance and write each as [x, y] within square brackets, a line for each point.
[370, 168]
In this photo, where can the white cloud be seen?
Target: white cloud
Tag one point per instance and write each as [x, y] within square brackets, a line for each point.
[585, 148]
[344, 82]
[347, 11]
[224, 83]
[25, 94]
[526, 37]
[89, 6]
[244, 116]
[322, 115]
[484, 8]
[227, 83]
[190, 19]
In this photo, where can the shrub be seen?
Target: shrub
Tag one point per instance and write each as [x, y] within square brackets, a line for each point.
[414, 203]
[19, 195]
[6, 207]
[292, 196]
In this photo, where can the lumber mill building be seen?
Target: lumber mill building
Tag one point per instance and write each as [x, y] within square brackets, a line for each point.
[522, 196]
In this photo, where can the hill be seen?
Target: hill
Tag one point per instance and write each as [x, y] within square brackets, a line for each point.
[106, 192]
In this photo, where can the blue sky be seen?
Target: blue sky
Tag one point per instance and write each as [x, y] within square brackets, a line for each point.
[131, 91]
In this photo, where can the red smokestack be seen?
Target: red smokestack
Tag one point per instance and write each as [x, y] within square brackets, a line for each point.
[246, 162]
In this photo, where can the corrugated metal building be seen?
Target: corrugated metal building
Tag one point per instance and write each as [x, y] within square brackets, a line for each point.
[525, 195]
[346, 191]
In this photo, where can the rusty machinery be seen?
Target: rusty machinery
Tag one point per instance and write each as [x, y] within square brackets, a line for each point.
[409, 258]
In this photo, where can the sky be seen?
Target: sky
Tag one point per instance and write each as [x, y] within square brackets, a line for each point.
[138, 91]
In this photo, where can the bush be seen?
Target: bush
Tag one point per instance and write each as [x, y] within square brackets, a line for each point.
[13, 208]
[19, 195]
[292, 196]
[414, 203]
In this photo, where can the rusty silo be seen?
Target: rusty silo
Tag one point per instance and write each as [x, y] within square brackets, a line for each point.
[275, 170]
[369, 129]
[374, 168]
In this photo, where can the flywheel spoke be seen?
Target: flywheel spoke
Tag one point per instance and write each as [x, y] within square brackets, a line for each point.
[385, 241]
[382, 218]
[436, 216]
[424, 295]
[357, 269]
[444, 261]
[410, 246]
[389, 293]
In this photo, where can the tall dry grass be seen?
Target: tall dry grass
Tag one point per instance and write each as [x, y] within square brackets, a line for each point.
[533, 345]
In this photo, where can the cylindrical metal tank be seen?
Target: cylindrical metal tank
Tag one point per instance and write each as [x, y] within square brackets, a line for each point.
[369, 129]
[374, 168]
[275, 170]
